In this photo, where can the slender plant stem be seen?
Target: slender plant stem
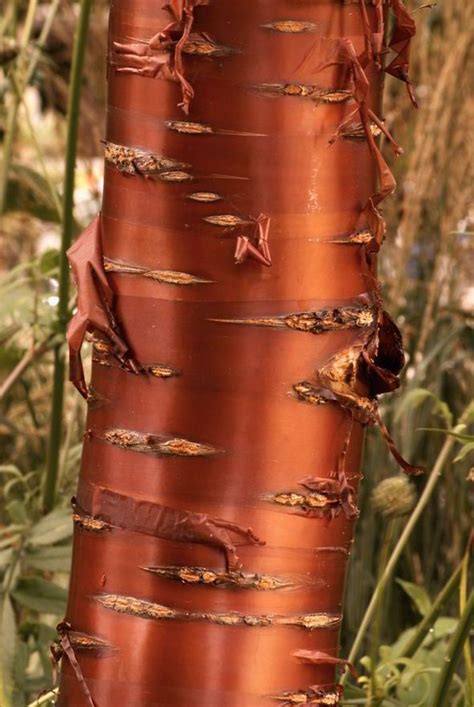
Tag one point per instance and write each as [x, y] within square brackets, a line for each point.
[55, 435]
[454, 651]
[443, 597]
[377, 624]
[11, 121]
[463, 597]
[30, 356]
[397, 552]
[45, 699]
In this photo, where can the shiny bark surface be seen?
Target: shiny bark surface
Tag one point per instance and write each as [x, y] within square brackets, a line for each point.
[228, 288]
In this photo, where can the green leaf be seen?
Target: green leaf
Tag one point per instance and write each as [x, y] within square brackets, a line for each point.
[49, 261]
[7, 650]
[29, 191]
[464, 451]
[418, 595]
[54, 527]
[40, 595]
[49, 559]
[414, 398]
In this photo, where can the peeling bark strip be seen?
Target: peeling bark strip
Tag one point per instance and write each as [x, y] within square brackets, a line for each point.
[291, 26]
[221, 580]
[158, 444]
[312, 91]
[149, 610]
[94, 305]
[319, 695]
[93, 525]
[313, 322]
[321, 658]
[140, 516]
[132, 160]
[165, 277]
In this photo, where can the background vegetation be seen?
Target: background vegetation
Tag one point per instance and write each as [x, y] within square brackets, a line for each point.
[411, 559]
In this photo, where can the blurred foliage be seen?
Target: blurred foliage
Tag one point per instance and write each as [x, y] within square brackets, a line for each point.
[424, 269]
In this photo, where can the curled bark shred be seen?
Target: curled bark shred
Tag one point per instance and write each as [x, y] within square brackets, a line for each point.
[403, 32]
[94, 306]
[257, 246]
[321, 658]
[355, 376]
[140, 516]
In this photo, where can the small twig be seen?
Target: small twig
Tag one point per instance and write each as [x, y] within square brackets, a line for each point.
[45, 699]
[33, 353]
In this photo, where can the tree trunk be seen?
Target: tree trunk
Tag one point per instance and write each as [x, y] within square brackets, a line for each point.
[238, 347]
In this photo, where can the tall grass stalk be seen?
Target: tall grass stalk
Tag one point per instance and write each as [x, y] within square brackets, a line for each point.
[455, 649]
[55, 431]
[400, 546]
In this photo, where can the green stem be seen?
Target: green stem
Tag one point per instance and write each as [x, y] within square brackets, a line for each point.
[463, 594]
[52, 463]
[45, 699]
[397, 552]
[377, 624]
[454, 651]
[428, 621]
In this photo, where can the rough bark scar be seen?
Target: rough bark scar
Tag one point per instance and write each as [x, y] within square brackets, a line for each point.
[103, 356]
[312, 91]
[359, 314]
[94, 305]
[90, 644]
[318, 695]
[189, 128]
[158, 444]
[222, 580]
[320, 658]
[127, 513]
[149, 610]
[354, 377]
[162, 55]
[322, 498]
[63, 647]
[291, 26]
[355, 131]
[165, 277]
[134, 161]
[206, 197]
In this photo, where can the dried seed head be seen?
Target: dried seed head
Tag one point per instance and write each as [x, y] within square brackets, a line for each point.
[290, 26]
[206, 197]
[394, 497]
[189, 128]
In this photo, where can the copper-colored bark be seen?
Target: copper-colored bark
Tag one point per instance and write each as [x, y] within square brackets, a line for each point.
[240, 356]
